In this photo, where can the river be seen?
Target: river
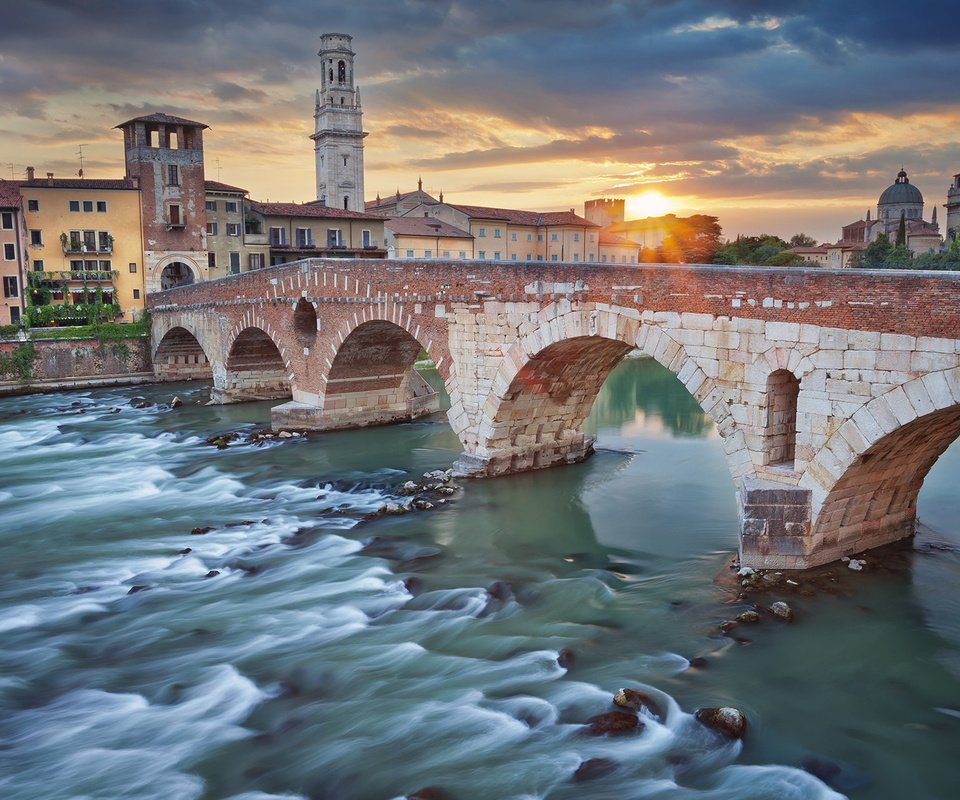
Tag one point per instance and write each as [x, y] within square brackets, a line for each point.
[297, 651]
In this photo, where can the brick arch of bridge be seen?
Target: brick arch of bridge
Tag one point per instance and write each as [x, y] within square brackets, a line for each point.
[548, 381]
[368, 377]
[181, 347]
[865, 480]
[256, 364]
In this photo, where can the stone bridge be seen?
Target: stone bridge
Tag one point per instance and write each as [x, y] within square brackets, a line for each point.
[834, 392]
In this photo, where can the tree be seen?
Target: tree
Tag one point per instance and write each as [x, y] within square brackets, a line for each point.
[902, 230]
[802, 240]
[875, 254]
[693, 239]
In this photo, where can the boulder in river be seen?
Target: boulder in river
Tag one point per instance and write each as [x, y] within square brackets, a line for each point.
[781, 611]
[565, 658]
[614, 723]
[729, 721]
[408, 488]
[176, 402]
[594, 768]
[200, 531]
[636, 700]
[747, 617]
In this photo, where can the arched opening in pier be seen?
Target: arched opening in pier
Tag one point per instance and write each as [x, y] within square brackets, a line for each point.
[373, 380]
[181, 357]
[783, 389]
[875, 500]
[176, 274]
[255, 369]
[305, 322]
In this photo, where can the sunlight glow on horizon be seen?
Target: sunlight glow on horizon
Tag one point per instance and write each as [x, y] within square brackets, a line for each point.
[650, 203]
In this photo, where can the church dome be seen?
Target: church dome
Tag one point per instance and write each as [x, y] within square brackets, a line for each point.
[901, 192]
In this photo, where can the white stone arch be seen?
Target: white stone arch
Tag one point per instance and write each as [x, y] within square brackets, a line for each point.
[865, 479]
[172, 258]
[620, 325]
[162, 324]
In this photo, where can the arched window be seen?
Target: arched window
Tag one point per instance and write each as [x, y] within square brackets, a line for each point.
[346, 203]
[341, 71]
[783, 388]
[331, 74]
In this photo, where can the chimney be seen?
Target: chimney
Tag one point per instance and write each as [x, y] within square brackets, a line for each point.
[30, 173]
[573, 211]
[50, 178]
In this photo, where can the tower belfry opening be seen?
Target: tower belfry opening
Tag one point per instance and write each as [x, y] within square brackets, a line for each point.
[338, 131]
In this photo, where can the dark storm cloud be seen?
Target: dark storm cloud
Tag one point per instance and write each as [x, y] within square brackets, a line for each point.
[670, 81]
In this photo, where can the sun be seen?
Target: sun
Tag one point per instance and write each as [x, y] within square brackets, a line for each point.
[648, 204]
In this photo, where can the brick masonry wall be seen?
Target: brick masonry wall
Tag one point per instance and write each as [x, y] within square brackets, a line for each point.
[80, 358]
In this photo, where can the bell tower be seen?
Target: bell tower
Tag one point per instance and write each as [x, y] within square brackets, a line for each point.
[338, 133]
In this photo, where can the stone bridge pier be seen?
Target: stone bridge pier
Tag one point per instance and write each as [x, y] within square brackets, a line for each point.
[833, 392]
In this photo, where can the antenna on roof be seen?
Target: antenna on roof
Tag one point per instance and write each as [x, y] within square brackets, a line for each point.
[80, 153]
[218, 169]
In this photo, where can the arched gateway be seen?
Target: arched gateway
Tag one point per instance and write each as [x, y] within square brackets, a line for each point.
[832, 401]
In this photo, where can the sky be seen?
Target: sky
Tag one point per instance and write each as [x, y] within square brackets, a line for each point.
[777, 117]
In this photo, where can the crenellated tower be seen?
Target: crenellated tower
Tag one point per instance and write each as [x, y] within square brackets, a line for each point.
[338, 134]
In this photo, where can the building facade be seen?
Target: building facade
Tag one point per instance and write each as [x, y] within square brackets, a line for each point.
[84, 242]
[338, 127]
[235, 239]
[13, 255]
[164, 156]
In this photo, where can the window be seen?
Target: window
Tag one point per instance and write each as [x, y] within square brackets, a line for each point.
[75, 241]
[428, 253]
[10, 286]
[103, 238]
[235, 263]
[345, 162]
[136, 294]
[212, 260]
[101, 206]
[529, 257]
[133, 266]
[77, 264]
[365, 238]
[553, 237]
[38, 265]
[576, 237]
[513, 237]
[33, 205]
[446, 254]
[304, 237]
[230, 206]
[603, 258]
[256, 260]
[539, 257]
[496, 233]
[409, 253]
[539, 237]
[278, 236]
[513, 256]
[174, 215]
[529, 237]
[463, 254]
[36, 238]
[592, 238]
[6, 221]
[496, 256]
[173, 175]
[88, 205]
[211, 205]
[233, 229]
[106, 265]
[334, 237]
[482, 232]
[74, 205]
[553, 258]
[341, 71]
[482, 254]
[14, 315]
[211, 229]
[9, 252]
[90, 241]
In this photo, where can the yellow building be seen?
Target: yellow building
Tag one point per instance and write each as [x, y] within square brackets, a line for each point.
[11, 253]
[426, 237]
[84, 235]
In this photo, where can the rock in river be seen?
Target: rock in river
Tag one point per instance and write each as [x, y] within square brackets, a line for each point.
[614, 723]
[636, 700]
[729, 721]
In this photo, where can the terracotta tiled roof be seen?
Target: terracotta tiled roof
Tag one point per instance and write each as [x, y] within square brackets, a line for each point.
[9, 193]
[424, 226]
[390, 199]
[164, 119]
[309, 210]
[78, 183]
[518, 217]
[216, 186]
